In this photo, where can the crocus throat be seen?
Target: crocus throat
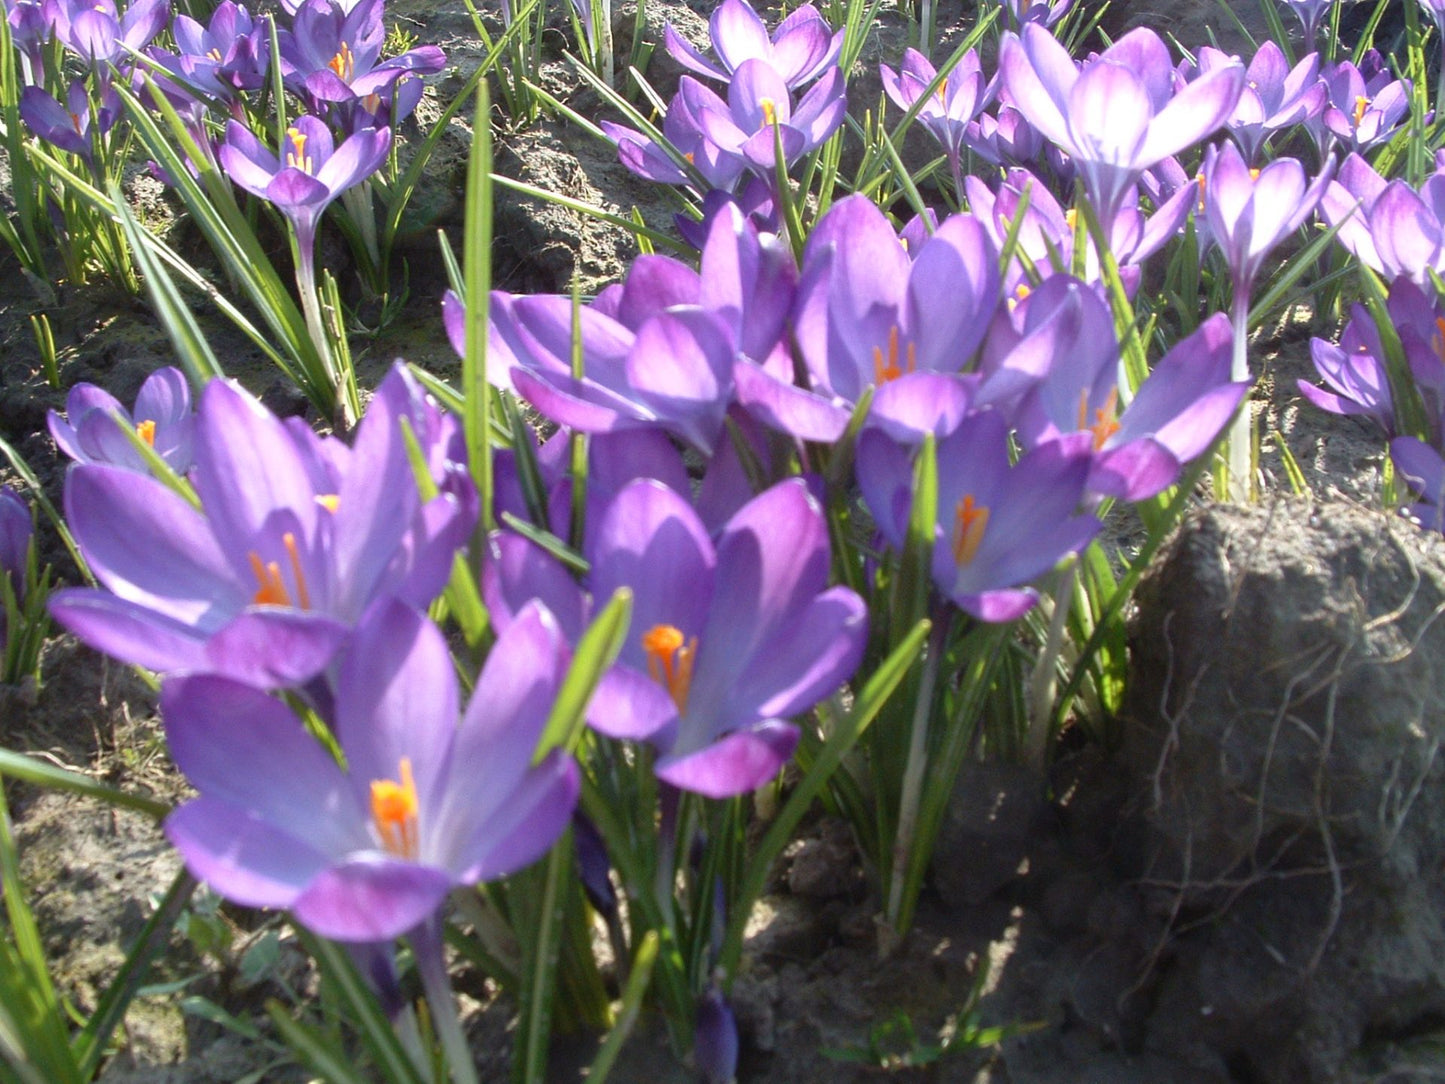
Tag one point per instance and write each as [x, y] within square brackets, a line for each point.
[297, 156]
[970, 520]
[271, 587]
[146, 430]
[670, 657]
[1361, 104]
[343, 63]
[1106, 424]
[887, 369]
[393, 811]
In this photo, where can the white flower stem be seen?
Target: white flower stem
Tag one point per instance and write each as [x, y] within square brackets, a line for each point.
[1241, 486]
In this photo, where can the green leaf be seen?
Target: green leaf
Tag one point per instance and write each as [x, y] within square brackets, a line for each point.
[595, 652]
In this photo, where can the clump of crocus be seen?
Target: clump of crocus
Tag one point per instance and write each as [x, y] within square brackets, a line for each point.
[1366, 105]
[290, 539]
[95, 428]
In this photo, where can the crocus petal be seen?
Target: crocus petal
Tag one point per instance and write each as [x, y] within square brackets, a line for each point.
[523, 829]
[127, 631]
[738, 763]
[370, 898]
[273, 648]
[239, 745]
[148, 545]
[246, 859]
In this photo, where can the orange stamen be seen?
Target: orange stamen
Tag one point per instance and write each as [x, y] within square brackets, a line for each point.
[770, 112]
[670, 657]
[393, 811]
[146, 430]
[969, 522]
[271, 591]
[1361, 104]
[1105, 423]
[343, 63]
[886, 370]
[271, 588]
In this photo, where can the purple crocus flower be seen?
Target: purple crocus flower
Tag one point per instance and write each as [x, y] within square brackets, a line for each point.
[231, 53]
[102, 36]
[686, 146]
[1250, 211]
[293, 537]
[92, 429]
[999, 526]
[874, 314]
[1119, 115]
[1361, 113]
[946, 115]
[17, 527]
[1354, 371]
[732, 633]
[1310, 13]
[315, 172]
[424, 804]
[334, 56]
[1389, 226]
[731, 637]
[1274, 95]
[71, 127]
[1422, 467]
[759, 113]
[1044, 12]
[1179, 410]
[800, 50]
[32, 23]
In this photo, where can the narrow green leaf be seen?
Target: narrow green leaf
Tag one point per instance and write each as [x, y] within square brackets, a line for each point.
[44, 774]
[595, 652]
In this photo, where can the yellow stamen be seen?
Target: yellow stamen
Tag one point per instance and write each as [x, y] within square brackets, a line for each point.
[1254, 175]
[297, 156]
[343, 63]
[329, 501]
[1200, 179]
[970, 520]
[1105, 423]
[670, 657]
[214, 54]
[1361, 104]
[770, 112]
[1071, 218]
[146, 430]
[691, 157]
[886, 370]
[393, 811]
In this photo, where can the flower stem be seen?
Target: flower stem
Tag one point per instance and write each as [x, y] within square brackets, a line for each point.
[1240, 481]
[431, 965]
